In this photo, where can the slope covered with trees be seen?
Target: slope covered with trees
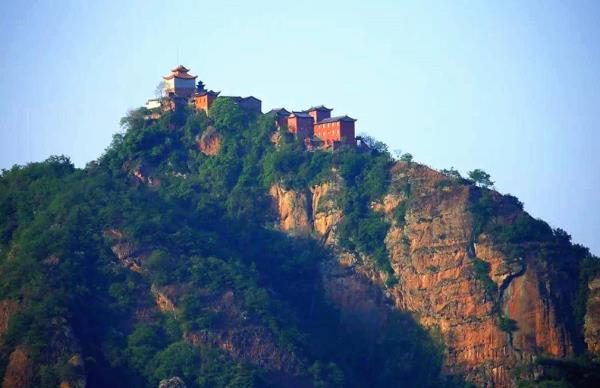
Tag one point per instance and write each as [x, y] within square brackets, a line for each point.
[157, 261]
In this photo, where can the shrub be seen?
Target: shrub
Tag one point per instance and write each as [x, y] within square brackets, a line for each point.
[482, 273]
[506, 324]
[400, 213]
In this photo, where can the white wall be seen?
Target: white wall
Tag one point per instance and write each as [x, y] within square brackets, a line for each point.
[185, 83]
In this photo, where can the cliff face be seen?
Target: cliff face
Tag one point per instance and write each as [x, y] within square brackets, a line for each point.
[236, 333]
[592, 317]
[209, 142]
[19, 369]
[8, 308]
[64, 351]
[433, 252]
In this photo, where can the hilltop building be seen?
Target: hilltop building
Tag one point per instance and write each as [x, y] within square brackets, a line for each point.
[180, 82]
[203, 100]
[153, 103]
[336, 129]
[301, 124]
[316, 122]
[180, 89]
[281, 117]
[319, 113]
[248, 104]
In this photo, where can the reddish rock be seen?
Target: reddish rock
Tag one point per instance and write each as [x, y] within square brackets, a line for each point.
[592, 317]
[19, 371]
[210, 142]
[8, 308]
[432, 253]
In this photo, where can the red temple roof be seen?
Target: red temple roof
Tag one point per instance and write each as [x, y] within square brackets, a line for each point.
[180, 68]
[180, 72]
[209, 92]
[336, 119]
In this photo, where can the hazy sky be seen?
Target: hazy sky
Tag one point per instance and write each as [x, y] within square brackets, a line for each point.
[511, 87]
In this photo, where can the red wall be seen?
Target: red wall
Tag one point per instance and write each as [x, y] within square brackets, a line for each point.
[336, 131]
[204, 102]
[302, 126]
[319, 115]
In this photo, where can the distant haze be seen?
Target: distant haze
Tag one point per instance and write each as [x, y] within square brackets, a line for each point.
[511, 87]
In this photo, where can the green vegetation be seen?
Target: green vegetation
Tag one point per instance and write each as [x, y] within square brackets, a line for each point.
[408, 158]
[482, 272]
[506, 324]
[201, 231]
[578, 372]
[519, 236]
[481, 178]
[365, 177]
[452, 173]
[201, 234]
[400, 213]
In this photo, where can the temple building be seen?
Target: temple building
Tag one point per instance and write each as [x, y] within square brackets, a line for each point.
[203, 100]
[301, 124]
[180, 83]
[248, 104]
[336, 129]
[316, 122]
[319, 113]
[281, 117]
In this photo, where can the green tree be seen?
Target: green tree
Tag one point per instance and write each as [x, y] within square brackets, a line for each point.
[481, 178]
[408, 158]
[452, 173]
[227, 115]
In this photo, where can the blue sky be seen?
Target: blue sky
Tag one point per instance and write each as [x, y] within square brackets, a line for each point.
[512, 87]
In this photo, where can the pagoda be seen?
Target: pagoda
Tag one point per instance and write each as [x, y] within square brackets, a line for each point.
[180, 83]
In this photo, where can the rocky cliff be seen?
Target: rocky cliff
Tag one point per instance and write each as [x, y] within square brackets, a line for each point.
[592, 317]
[492, 323]
[224, 252]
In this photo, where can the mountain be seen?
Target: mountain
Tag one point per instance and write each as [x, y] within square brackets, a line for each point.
[218, 251]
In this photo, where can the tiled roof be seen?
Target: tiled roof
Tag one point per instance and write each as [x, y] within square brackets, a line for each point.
[180, 72]
[279, 111]
[336, 119]
[180, 68]
[320, 107]
[238, 98]
[180, 75]
[212, 92]
[300, 114]
[250, 98]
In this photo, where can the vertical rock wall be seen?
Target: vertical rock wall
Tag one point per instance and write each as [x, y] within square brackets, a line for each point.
[432, 251]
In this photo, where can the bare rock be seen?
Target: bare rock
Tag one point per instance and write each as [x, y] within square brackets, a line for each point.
[173, 382]
[19, 371]
[209, 142]
[592, 317]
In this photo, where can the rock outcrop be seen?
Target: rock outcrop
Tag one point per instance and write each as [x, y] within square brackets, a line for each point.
[432, 249]
[592, 317]
[19, 371]
[310, 211]
[63, 352]
[173, 382]
[240, 335]
[244, 338]
[8, 308]
[209, 142]
[292, 208]
[126, 252]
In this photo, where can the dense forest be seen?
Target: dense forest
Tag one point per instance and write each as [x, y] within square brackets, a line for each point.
[203, 232]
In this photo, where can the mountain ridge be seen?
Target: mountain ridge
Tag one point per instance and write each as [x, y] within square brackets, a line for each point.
[217, 249]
